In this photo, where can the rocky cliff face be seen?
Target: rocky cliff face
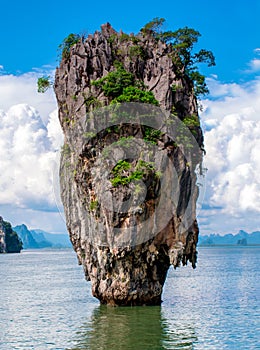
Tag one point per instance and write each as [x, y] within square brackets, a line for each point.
[9, 240]
[128, 172]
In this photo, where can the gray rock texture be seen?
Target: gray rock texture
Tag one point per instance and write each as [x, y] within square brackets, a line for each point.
[127, 236]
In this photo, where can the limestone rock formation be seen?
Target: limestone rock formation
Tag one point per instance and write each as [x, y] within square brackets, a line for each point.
[9, 240]
[128, 172]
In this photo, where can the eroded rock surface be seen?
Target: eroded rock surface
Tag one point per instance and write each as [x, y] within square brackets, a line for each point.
[126, 236]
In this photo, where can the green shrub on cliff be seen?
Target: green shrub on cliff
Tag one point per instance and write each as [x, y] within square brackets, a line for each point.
[114, 83]
[133, 94]
[191, 120]
[67, 43]
[44, 84]
[124, 173]
[151, 135]
[182, 42]
[153, 27]
[122, 86]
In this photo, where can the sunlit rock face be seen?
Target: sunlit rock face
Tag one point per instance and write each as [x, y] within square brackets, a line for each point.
[128, 172]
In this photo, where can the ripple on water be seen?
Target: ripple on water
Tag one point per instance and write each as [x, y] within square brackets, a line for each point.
[46, 304]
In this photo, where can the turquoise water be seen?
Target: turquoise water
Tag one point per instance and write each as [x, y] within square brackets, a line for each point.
[46, 304]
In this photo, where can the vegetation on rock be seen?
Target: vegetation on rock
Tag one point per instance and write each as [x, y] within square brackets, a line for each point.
[182, 41]
[121, 86]
[129, 178]
[67, 43]
[44, 84]
[134, 94]
[114, 82]
[124, 172]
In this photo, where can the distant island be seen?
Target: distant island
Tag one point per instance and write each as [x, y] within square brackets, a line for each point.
[38, 239]
[13, 240]
[242, 238]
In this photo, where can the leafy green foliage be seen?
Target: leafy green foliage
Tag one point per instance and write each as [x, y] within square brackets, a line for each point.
[204, 56]
[112, 39]
[44, 84]
[114, 83]
[153, 27]
[191, 120]
[120, 175]
[91, 101]
[182, 42]
[136, 51]
[121, 166]
[200, 86]
[125, 142]
[121, 86]
[133, 94]
[124, 37]
[151, 135]
[66, 45]
[123, 173]
[93, 205]
[12, 240]
[134, 40]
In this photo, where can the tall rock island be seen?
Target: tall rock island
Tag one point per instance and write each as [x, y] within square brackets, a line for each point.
[130, 162]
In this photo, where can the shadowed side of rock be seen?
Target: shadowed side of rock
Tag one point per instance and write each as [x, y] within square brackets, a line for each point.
[10, 242]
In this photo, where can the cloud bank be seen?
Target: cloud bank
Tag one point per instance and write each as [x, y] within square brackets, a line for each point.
[28, 158]
[23, 89]
[232, 140]
[30, 138]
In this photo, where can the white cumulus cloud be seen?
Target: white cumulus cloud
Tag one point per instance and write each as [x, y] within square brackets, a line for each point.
[232, 141]
[23, 89]
[28, 155]
[30, 139]
[255, 65]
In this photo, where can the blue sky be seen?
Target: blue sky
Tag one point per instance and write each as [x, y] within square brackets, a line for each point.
[30, 33]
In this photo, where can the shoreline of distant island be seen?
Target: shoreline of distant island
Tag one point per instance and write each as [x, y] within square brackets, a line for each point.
[241, 239]
[39, 239]
[34, 239]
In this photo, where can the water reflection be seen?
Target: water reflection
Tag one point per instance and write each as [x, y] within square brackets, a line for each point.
[132, 328]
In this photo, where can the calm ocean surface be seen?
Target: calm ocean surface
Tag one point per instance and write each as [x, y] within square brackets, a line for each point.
[46, 304]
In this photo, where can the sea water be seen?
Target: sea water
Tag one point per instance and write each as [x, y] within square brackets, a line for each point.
[46, 304]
